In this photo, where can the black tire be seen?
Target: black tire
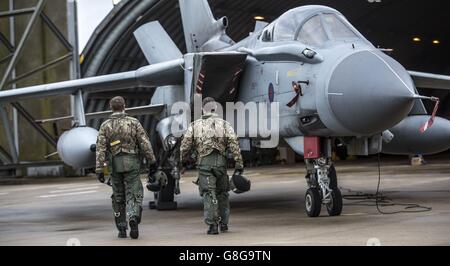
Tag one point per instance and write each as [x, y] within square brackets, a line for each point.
[334, 208]
[152, 205]
[313, 202]
[165, 199]
[167, 193]
[333, 178]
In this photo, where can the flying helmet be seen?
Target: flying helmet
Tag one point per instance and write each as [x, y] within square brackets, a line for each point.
[239, 184]
[157, 181]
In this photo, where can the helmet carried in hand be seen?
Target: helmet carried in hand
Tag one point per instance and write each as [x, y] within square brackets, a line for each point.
[157, 181]
[240, 184]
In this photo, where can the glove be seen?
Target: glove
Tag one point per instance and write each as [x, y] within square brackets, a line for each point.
[238, 171]
[101, 177]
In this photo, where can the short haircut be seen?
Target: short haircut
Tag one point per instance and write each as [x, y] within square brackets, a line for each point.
[117, 104]
[209, 104]
[208, 100]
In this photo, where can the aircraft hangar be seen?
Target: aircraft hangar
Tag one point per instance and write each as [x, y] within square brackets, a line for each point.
[412, 29]
[416, 36]
[386, 202]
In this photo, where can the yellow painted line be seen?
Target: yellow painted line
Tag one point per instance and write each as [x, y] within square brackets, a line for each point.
[73, 189]
[79, 185]
[354, 214]
[289, 182]
[68, 194]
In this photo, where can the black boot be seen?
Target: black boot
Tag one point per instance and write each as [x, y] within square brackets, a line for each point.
[122, 233]
[134, 232]
[223, 227]
[213, 229]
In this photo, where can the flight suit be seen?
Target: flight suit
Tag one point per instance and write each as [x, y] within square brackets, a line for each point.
[121, 140]
[210, 137]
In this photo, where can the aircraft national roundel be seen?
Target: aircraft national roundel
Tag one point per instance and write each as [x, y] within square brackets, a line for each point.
[271, 93]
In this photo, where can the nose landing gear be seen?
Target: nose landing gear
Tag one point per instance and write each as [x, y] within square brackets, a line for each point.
[322, 188]
[313, 202]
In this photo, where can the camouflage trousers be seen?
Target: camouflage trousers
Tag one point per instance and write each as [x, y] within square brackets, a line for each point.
[127, 187]
[214, 185]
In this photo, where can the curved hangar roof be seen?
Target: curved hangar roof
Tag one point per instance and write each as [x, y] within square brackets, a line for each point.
[415, 31]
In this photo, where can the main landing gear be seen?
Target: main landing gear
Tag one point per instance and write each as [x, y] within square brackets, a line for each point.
[165, 199]
[322, 188]
[170, 155]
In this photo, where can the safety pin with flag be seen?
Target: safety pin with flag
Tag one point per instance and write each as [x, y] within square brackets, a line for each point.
[430, 121]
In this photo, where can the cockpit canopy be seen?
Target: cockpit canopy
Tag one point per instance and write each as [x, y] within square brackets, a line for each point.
[309, 27]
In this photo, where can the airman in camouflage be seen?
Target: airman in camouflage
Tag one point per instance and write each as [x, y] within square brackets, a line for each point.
[210, 137]
[120, 141]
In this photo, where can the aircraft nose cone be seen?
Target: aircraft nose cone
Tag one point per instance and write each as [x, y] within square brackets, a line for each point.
[369, 92]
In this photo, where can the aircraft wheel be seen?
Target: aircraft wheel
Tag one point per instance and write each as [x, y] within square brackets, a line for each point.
[152, 204]
[333, 178]
[313, 202]
[165, 199]
[334, 208]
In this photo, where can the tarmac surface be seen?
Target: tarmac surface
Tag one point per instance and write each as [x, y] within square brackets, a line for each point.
[78, 210]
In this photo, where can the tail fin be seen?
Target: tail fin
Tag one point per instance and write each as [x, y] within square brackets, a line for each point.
[202, 32]
[156, 44]
[158, 47]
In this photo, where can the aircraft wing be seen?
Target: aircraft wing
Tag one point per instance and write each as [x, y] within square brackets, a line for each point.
[133, 111]
[161, 74]
[430, 81]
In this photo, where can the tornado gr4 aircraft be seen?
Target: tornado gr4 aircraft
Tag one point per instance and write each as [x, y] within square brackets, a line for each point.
[329, 81]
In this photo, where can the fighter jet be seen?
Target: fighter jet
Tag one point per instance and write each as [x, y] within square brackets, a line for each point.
[331, 84]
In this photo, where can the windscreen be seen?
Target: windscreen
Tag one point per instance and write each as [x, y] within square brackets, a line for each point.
[337, 29]
[312, 32]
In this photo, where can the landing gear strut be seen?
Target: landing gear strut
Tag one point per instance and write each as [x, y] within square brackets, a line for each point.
[164, 199]
[170, 163]
[322, 188]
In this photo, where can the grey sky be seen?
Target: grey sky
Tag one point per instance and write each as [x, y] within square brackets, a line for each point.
[90, 14]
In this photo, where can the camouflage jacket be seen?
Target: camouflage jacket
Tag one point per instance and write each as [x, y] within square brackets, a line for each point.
[211, 133]
[122, 134]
